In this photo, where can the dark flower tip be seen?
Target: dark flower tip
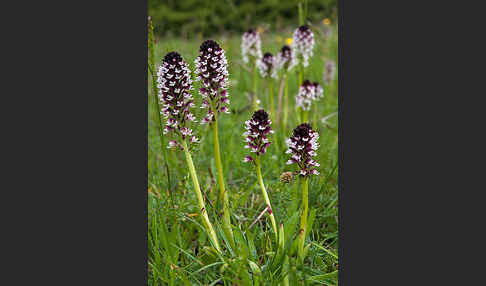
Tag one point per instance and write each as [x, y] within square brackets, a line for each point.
[285, 48]
[173, 57]
[304, 28]
[302, 130]
[208, 44]
[267, 55]
[260, 115]
[251, 31]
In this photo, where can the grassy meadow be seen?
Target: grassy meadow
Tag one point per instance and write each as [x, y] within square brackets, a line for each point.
[179, 251]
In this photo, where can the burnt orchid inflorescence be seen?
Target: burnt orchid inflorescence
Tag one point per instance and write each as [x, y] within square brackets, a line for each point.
[308, 92]
[303, 44]
[174, 84]
[330, 69]
[267, 66]
[285, 60]
[251, 45]
[257, 130]
[303, 146]
[211, 70]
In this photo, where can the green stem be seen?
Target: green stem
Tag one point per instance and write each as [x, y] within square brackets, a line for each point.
[286, 269]
[154, 85]
[255, 86]
[305, 10]
[272, 113]
[272, 110]
[303, 218]
[301, 14]
[301, 72]
[200, 200]
[156, 100]
[223, 195]
[286, 103]
[265, 195]
[314, 116]
[305, 116]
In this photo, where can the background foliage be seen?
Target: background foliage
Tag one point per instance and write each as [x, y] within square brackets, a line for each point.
[210, 17]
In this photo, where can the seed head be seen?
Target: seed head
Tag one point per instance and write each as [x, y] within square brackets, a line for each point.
[286, 177]
[257, 129]
[174, 83]
[211, 70]
[251, 45]
[267, 66]
[303, 44]
[302, 147]
[308, 92]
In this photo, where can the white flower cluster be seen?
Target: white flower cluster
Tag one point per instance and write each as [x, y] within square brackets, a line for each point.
[251, 45]
[268, 66]
[308, 92]
[285, 60]
[257, 130]
[330, 70]
[303, 146]
[303, 44]
[174, 83]
[211, 70]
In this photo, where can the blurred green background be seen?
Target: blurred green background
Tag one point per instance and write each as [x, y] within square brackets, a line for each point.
[185, 18]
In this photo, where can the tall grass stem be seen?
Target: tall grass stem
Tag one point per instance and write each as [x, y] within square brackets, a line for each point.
[286, 103]
[156, 100]
[272, 108]
[255, 85]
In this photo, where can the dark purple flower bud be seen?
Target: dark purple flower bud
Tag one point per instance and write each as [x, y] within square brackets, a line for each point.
[257, 130]
[329, 74]
[308, 92]
[303, 44]
[267, 66]
[174, 83]
[285, 59]
[303, 146]
[211, 70]
[251, 45]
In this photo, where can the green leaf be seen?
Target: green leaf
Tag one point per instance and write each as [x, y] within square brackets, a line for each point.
[254, 268]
